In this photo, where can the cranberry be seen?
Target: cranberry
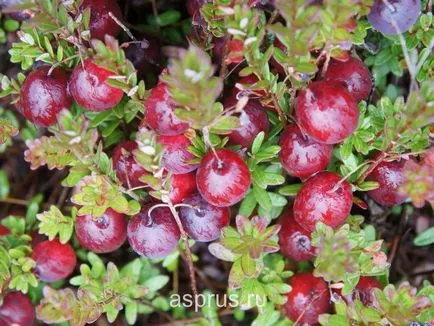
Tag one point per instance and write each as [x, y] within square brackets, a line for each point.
[253, 120]
[153, 235]
[363, 291]
[293, 239]
[193, 6]
[390, 175]
[100, 21]
[300, 155]
[394, 16]
[89, 89]
[145, 56]
[17, 309]
[308, 299]
[54, 261]
[234, 51]
[160, 115]
[318, 201]
[223, 178]
[43, 96]
[327, 112]
[102, 235]
[4, 230]
[176, 157]
[182, 186]
[353, 74]
[127, 169]
[203, 221]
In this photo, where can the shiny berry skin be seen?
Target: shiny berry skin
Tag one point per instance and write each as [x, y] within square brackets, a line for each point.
[160, 113]
[404, 13]
[127, 169]
[43, 96]
[363, 291]
[253, 120]
[155, 235]
[102, 235]
[294, 241]
[182, 186]
[326, 112]
[390, 175]
[223, 180]
[4, 230]
[300, 155]
[202, 221]
[100, 21]
[317, 201]
[54, 261]
[17, 309]
[353, 74]
[89, 89]
[176, 156]
[309, 298]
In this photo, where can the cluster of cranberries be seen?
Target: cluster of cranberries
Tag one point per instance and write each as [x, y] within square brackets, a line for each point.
[326, 114]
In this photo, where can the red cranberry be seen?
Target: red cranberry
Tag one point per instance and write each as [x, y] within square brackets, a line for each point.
[293, 239]
[318, 201]
[127, 169]
[17, 309]
[4, 230]
[390, 175]
[327, 112]
[43, 96]
[54, 261]
[203, 221]
[253, 120]
[353, 74]
[89, 89]
[160, 115]
[102, 235]
[223, 178]
[153, 235]
[182, 186]
[300, 155]
[363, 291]
[308, 299]
[100, 21]
[234, 51]
[176, 157]
[193, 6]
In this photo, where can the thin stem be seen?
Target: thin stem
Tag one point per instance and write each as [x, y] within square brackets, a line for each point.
[125, 28]
[184, 237]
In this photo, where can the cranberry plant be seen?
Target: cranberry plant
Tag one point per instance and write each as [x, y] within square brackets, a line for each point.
[277, 153]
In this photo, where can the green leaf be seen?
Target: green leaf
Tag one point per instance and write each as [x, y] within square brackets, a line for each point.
[425, 238]
[262, 197]
[4, 184]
